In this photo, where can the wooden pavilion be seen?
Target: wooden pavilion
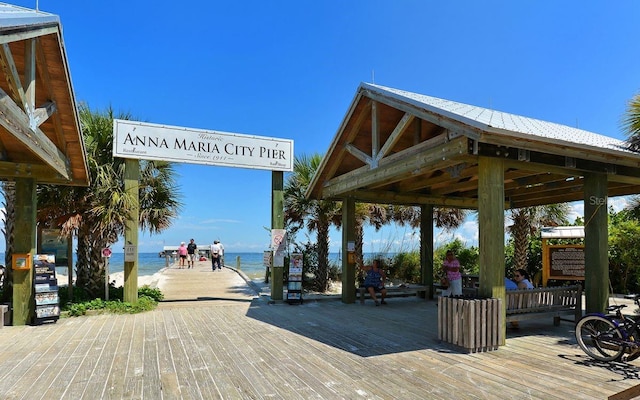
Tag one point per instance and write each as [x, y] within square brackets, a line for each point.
[398, 147]
[40, 137]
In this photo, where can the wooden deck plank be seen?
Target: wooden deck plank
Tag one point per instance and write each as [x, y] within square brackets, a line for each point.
[13, 381]
[166, 368]
[71, 367]
[214, 340]
[104, 361]
[151, 384]
[186, 380]
[115, 380]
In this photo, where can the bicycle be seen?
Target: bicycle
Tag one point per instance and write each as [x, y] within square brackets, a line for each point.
[608, 337]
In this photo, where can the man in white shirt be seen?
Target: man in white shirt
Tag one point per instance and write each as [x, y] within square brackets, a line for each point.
[221, 254]
[216, 255]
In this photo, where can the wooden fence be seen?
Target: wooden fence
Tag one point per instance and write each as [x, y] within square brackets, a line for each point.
[471, 324]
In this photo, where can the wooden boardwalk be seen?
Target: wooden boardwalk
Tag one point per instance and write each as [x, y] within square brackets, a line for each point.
[214, 339]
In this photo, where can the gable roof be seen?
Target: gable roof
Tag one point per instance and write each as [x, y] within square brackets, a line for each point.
[40, 135]
[395, 146]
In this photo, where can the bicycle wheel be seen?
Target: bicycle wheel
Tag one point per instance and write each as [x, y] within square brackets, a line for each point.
[599, 338]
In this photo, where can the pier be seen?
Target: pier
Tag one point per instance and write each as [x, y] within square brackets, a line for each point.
[214, 337]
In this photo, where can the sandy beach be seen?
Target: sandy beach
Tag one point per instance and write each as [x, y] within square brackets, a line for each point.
[118, 279]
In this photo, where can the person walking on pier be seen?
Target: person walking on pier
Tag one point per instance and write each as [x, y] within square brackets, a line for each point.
[216, 255]
[182, 253]
[191, 253]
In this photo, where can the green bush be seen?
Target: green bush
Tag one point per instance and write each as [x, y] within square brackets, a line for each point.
[405, 267]
[148, 299]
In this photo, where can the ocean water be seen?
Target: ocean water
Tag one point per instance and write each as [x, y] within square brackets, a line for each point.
[150, 263]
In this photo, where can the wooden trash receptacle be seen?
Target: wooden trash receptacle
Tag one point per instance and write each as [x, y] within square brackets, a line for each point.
[470, 324]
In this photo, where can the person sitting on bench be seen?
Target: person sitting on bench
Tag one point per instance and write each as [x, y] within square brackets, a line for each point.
[374, 281]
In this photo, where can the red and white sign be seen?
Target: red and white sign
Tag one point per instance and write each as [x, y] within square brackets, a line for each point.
[106, 252]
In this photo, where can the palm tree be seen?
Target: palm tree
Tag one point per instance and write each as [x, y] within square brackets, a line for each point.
[631, 128]
[316, 215]
[527, 222]
[97, 214]
[631, 123]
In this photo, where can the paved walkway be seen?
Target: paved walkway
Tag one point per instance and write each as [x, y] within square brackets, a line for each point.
[213, 338]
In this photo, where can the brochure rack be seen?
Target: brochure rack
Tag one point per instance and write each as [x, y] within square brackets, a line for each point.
[46, 289]
[294, 283]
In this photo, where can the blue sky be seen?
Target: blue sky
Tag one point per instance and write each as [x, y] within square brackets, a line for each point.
[289, 69]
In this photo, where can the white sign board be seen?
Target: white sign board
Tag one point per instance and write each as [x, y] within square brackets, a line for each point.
[129, 253]
[132, 139]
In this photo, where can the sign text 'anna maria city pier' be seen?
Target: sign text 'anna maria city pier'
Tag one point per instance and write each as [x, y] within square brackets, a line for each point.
[132, 139]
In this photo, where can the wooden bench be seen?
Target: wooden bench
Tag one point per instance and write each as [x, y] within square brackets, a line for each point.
[544, 302]
[395, 291]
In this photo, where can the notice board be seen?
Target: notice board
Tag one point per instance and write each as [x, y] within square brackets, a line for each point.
[562, 262]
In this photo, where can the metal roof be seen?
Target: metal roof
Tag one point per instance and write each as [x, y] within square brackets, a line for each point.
[40, 136]
[399, 147]
[13, 16]
[562, 232]
[505, 123]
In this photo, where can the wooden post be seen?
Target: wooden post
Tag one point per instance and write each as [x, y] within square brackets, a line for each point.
[131, 177]
[277, 222]
[70, 267]
[596, 257]
[491, 231]
[348, 260]
[24, 243]
[426, 248]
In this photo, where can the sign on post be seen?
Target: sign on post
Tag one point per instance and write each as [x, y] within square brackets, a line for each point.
[278, 242]
[129, 253]
[132, 139]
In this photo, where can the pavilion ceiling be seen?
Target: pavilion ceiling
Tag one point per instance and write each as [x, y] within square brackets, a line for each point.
[402, 148]
[40, 135]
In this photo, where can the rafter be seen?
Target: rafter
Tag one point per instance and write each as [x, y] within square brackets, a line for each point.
[16, 122]
[427, 155]
[397, 133]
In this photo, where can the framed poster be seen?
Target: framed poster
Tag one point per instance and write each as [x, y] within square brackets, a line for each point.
[52, 243]
[21, 261]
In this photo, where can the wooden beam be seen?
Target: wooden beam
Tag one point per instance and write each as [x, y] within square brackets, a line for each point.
[548, 162]
[24, 243]
[397, 133]
[359, 154]
[42, 113]
[30, 80]
[375, 133]
[12, 76]
[45, 80]
[427, 155]
[426, 249]
[561, 149]
[596, 261]
[388, 197]
[16, 122]
[131, 188]
[277, 222]
[349, 262]
[466, 170]
[29, 34]
[448, 123]
[491, 233]
[39, 172]
[349, 136]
